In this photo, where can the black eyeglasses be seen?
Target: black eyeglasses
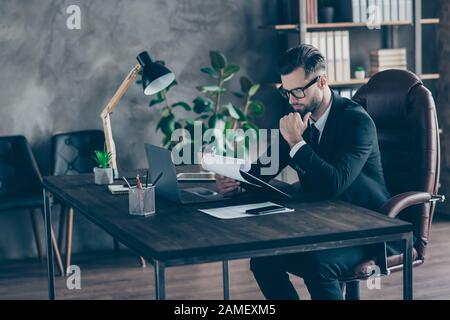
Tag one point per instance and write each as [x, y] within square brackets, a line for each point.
[299, 92]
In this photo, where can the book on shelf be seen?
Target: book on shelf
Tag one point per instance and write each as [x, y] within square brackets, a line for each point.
[338, 56]
[360, 10]
[329, 55]
[335, 46]
[346, 54]
[409, 10]
[388, 52]
[311, 13]
[311, 8]
[384, 59]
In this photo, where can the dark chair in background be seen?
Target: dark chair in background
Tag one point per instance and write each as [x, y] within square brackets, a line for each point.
[72, 153]
[404, 112]
[21, 185]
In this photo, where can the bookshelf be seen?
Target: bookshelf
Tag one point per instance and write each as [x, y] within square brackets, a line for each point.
[389, 34]
[357, 82]
[337, 25]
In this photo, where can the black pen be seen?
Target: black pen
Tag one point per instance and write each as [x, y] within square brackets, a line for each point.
[156, 180]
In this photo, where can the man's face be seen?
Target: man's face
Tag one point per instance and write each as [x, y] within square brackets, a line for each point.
[313, 94]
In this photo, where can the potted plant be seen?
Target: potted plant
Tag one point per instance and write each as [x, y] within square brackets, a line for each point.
[213, 108]
[103, 174]
[326, 11]
[360, 73]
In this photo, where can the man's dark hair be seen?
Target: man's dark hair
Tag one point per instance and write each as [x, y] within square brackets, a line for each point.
[305, 56]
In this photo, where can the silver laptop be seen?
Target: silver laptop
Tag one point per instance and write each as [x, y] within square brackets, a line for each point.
[160, 160]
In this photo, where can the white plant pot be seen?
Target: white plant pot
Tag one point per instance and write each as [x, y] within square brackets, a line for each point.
[103, 175]
[360, 74]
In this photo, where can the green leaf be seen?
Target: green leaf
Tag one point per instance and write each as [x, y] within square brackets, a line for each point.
[218, 60]
[210, 71]
[165, 112]
[234, 112]
[155, 102]
[166, 141]
[228, 78]
[239, 95]
[256, 107]
[189, 121]
[167, 125]
[173, 84]
[229, 124]
[230, 71]
[211, 89]
[246, 84]
[254, 89]
[183, 105]
[178, 125]
[161, 95]
[202, 117]
[203, 105]
[216, 120]
[232, 68]
[103, 158]
[250, 126]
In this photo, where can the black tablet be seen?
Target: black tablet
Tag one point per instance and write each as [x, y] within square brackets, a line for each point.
[254, 180]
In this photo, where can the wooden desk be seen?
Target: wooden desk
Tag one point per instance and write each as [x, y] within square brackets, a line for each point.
[181, 235]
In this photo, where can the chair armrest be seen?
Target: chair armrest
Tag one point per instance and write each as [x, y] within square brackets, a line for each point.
[398, 203]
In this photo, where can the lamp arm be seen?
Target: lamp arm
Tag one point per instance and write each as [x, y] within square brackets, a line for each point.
[105, 115]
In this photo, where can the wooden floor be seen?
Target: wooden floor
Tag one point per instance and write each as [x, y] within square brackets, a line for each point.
[119, 276]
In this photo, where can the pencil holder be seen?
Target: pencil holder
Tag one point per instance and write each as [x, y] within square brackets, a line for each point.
[142, 201]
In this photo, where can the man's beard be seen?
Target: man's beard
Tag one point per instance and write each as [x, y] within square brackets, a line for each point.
[312, 107]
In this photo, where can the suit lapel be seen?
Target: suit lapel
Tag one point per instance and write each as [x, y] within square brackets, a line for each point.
[329, 131]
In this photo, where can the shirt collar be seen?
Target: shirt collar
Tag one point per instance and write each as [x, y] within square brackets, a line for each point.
[320, 123]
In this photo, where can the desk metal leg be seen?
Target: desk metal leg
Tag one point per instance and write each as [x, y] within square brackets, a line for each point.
[160, 280]
[408, 268]
[50, 258]
[226, 282]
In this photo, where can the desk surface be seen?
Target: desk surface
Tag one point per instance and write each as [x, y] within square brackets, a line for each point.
[180, 231]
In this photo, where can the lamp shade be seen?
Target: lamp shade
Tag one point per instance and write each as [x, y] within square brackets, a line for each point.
[155, 76]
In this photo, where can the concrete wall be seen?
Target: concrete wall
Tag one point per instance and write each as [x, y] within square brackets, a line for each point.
[55, 79]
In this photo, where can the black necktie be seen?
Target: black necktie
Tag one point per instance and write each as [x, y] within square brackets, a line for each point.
[313, 136]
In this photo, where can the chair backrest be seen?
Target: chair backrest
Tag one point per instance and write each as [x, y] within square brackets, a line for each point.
[72, 152]
[19, 173]
[404, 112]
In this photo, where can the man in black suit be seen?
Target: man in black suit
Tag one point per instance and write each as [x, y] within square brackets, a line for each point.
[332, 143]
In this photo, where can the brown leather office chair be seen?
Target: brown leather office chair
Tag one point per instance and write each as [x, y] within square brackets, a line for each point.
[404, 112]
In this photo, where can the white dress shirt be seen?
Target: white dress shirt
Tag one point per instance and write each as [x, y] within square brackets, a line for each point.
[319, 124]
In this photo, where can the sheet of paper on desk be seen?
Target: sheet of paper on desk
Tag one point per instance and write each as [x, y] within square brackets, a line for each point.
[234, 212]
[225, 166]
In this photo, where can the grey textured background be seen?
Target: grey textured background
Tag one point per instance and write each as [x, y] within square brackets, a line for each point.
[54, 79]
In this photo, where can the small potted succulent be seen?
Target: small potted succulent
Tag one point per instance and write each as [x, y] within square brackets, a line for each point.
[360, 73]
[103, 173]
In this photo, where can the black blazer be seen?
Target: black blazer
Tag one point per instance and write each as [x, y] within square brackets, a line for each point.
[347, 162]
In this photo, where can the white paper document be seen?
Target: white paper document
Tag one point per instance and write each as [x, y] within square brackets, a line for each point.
[234, 212]
[225, 166]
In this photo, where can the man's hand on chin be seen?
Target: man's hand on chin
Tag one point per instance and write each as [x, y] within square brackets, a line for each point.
[292, 127]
